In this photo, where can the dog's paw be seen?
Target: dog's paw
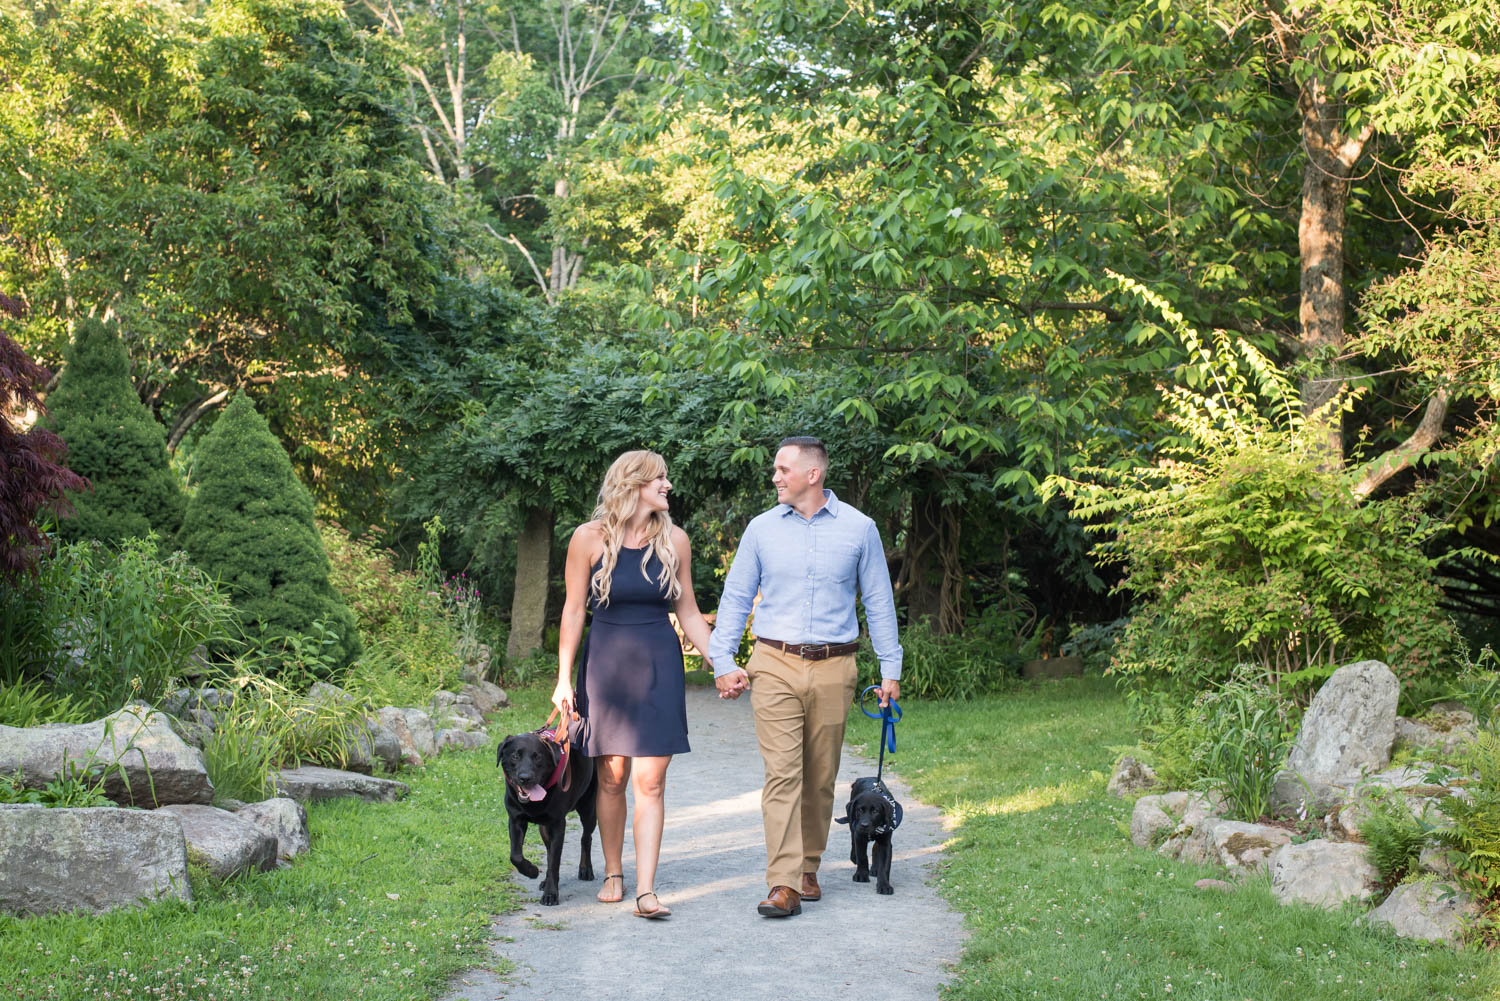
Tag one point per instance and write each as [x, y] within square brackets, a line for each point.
[884, 889]
[861, 877]
[586, 871]
[549, 898]
[525, 868]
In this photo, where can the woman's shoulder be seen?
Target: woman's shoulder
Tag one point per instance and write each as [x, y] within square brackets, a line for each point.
[588, 537]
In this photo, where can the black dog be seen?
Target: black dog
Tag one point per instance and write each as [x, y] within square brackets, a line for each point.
[544, 782]
[872, 815]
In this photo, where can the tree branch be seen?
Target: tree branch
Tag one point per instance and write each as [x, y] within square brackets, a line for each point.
[1428, 431]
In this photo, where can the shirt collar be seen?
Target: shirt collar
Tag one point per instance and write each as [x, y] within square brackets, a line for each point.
[830, 505]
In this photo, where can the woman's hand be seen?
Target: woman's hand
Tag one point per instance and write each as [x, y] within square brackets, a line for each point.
[562, 698]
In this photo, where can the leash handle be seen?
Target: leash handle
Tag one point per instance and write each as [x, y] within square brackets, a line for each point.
[889, 714]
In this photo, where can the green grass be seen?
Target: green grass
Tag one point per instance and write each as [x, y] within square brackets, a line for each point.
[1061, 905]
[392, 900]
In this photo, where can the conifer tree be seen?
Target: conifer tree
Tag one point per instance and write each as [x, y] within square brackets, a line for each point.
[114, 441]
[250, 523]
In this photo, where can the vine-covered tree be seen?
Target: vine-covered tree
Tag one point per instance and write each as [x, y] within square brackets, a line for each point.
[250, 524]
[114, 441]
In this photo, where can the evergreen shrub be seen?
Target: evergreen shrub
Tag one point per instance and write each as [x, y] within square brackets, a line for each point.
[250, 523]
[114, 441]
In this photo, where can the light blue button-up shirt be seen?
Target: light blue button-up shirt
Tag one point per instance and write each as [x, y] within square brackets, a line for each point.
[807, 572]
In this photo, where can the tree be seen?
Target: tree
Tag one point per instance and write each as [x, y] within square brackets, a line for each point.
[250, 523]
[114, 441]
[33, 478]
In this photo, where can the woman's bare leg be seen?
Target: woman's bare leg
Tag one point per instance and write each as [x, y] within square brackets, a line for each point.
[613, 771]
[650, 781]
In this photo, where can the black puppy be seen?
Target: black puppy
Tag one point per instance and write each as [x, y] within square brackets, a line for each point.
[542, 786]
[872, 815]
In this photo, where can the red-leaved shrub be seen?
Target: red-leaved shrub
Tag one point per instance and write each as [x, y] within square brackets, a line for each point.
[32, 474]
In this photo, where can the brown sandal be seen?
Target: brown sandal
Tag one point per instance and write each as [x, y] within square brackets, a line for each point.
[659, 911]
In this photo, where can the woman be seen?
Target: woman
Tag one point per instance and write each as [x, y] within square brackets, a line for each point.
[630, 566]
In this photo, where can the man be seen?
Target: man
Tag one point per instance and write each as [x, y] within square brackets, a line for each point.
[807, 556]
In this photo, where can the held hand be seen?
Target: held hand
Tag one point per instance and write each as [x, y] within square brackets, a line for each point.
[890, 688]
[732, 684]
[562, 698]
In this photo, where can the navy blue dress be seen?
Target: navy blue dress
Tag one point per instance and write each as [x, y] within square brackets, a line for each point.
[631, 690]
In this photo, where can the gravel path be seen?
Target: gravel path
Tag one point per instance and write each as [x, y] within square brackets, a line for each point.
[715, 946]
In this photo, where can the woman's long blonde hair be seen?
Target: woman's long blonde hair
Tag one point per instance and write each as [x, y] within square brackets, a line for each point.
[618, 497]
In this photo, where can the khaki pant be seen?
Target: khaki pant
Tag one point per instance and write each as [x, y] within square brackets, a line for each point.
[800, 707]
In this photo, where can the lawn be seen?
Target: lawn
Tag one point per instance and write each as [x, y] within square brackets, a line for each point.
[1061, 905]
[390, 902]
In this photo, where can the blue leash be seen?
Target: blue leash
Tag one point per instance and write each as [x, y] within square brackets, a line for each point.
[889, 715]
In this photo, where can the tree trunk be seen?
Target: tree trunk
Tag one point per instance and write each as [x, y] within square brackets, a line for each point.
[528, 607]
[1331, 157]
[933, 579]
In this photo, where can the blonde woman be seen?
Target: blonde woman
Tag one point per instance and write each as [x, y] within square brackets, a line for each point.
[630, 566]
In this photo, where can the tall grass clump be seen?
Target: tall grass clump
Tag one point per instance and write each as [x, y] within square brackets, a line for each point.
[411, 639]
[122, 622]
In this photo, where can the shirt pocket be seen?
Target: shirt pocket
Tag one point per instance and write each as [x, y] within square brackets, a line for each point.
[842, 563]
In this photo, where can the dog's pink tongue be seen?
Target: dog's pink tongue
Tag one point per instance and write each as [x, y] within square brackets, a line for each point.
[534, 793]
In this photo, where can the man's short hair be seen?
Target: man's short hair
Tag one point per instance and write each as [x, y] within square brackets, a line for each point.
[809, 446]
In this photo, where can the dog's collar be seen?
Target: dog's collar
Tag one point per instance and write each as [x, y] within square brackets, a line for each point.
[564, 753]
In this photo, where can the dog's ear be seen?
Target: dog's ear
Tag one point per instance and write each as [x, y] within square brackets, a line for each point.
[887, 814]
[500, 751]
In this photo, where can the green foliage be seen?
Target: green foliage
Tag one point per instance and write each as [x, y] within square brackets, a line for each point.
[983, 658]
[410, 639]
[32, 703]
[1234, 737]
[250, 523]
[75, 787]
[114, 441]
[267, 726]
[1395, 838]
[122, 622]
[1474, 820]
[1239, 546]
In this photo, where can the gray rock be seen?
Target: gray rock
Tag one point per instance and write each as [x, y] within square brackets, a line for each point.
[1238, 845]
[1323, 873]
[462, 740]
[1223, 886]
[328, 694]
[385, 747]
[92, 860]
[221, 841]
[1195, 842]
[1130, 777]
[440, 700]
[479, 698]
[1347, 733]
[414, 729]
[283, 819]
[179, 700]
[155, 759]
[460, 716]
[1431, 911]
[311, 783]
[1438, 860]
[1154, 817]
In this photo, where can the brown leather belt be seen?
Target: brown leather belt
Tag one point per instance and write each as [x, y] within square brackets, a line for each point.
[811, 651]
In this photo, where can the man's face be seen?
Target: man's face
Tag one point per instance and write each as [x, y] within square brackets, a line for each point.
[792, 476]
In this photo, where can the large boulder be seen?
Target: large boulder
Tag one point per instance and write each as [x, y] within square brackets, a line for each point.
[1130, 777]
[486, 697]
[462, 740]
[282, 818]
[92, 860]
[1432, 911]
[1169, 816]
[159, 766]
[311, 783]
[221, 841]
[1245, 847]
[385, 746]
[1347, 733]
[1323, 873]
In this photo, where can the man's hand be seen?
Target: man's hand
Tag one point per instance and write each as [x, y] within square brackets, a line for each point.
[890, 688]
[732, 684]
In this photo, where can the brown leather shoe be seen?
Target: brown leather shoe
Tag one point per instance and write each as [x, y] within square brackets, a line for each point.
[781, 902]
[810, 888]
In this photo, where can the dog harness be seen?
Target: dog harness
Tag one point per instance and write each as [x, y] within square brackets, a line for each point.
[558, 738]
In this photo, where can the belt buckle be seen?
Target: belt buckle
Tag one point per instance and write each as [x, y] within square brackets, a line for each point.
[809, 651]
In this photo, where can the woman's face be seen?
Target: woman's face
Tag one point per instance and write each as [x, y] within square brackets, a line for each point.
[654, 493]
